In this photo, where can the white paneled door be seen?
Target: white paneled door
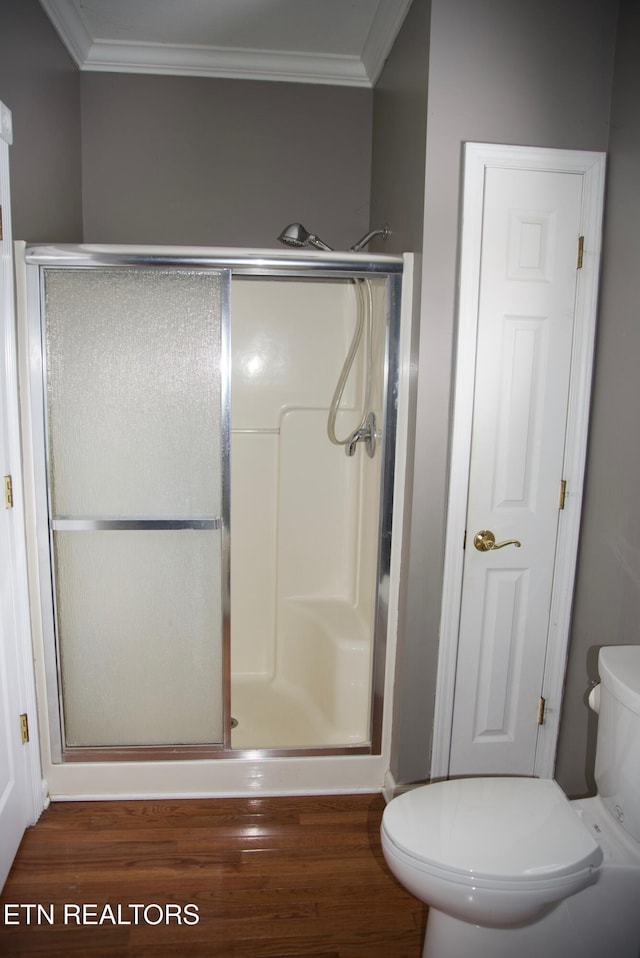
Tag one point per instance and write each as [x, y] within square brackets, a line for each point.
[15, 800]
[530, 257]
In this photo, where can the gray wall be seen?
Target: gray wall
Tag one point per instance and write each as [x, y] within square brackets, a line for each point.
[399, 135]
[212, 162]
[41, 86]
[534, 73]
[607, 600]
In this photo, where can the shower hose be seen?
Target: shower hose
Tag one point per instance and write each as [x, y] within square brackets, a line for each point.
[363, 324]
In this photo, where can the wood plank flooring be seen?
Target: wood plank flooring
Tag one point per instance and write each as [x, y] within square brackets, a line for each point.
[263, 877]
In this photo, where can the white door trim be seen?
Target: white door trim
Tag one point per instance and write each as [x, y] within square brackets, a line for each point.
[477, 158]
[17, 545]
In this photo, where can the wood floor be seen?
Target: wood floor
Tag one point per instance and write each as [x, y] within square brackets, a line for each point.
[216, 877]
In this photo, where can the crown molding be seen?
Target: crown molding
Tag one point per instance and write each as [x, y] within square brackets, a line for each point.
[71, 28]
[187, 60]
[6, 127]
[94, 55]
[384, 30]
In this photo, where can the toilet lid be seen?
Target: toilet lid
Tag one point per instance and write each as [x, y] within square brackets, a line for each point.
[515, 828]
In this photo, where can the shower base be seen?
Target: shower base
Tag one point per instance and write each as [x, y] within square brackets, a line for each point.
[272, 713]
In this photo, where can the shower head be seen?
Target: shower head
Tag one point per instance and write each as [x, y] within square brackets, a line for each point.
[384, 232]
[296, 235]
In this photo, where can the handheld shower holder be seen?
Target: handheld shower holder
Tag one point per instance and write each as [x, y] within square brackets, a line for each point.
[366, 434]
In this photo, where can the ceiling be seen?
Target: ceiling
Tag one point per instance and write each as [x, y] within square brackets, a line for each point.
[340, 42]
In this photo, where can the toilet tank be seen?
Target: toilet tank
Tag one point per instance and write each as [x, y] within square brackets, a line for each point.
[617, 770]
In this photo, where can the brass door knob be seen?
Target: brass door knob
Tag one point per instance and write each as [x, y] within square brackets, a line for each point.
[485, 541]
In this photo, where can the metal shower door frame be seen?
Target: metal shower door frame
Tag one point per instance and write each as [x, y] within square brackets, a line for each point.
[227, 264]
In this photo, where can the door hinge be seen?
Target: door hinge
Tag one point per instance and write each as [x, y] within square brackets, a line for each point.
[563, 493]
[580, 251]
[24, 727]
[8, 492]
[541, 706]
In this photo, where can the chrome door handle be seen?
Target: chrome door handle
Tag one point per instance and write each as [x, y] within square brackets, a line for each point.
[485, 541]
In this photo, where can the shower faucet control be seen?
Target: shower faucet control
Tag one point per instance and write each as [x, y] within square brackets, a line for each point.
[366, 434]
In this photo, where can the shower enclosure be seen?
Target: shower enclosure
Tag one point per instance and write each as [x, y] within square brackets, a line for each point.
[212, 571]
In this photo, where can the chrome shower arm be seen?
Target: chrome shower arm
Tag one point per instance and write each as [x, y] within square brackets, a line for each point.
[384, 232]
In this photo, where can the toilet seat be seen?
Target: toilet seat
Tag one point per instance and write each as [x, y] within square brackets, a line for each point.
[518, 831]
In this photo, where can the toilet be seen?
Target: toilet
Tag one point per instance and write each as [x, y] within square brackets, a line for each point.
[510, 868]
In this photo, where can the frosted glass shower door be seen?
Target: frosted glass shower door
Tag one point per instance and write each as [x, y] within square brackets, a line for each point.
[136, 417]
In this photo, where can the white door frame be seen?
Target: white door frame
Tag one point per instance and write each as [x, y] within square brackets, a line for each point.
[25, 679]
[477, 158]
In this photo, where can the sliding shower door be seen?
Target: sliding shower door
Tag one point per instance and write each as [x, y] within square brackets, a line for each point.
[135, 397]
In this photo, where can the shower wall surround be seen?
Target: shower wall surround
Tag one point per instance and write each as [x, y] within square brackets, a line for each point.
[304, 537]
[299, 574]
